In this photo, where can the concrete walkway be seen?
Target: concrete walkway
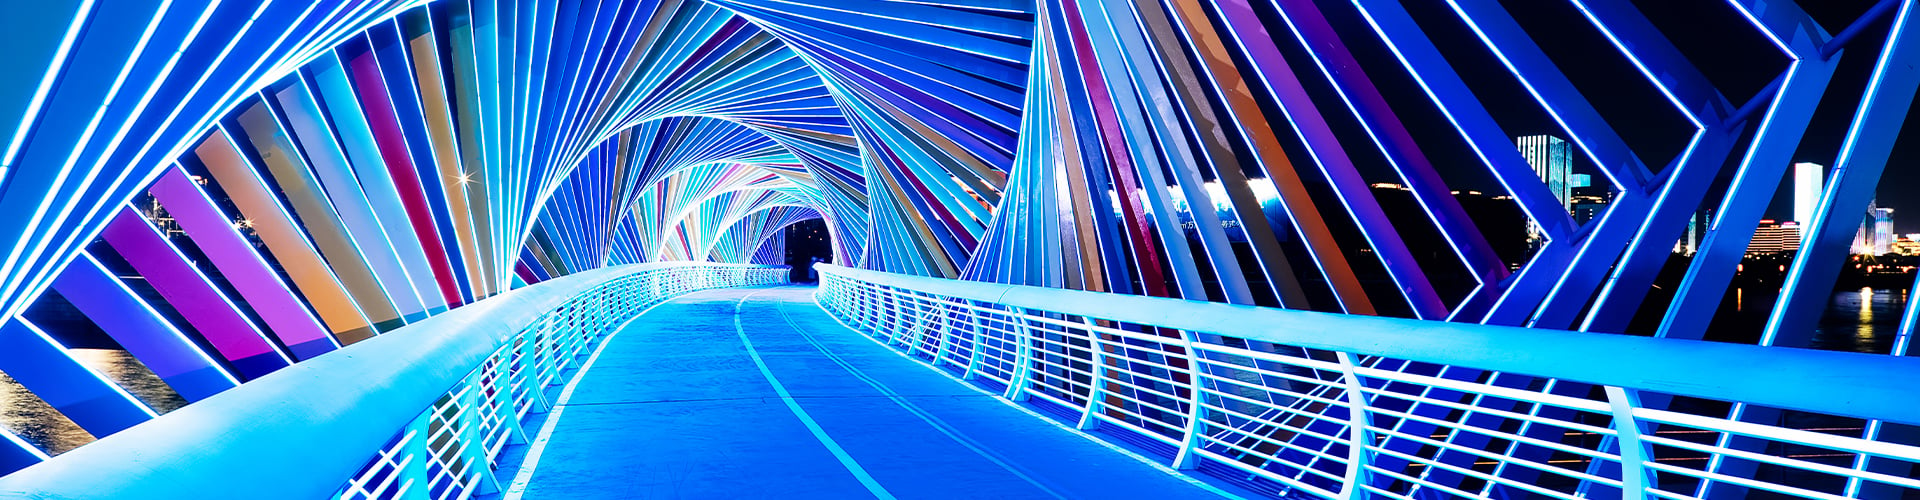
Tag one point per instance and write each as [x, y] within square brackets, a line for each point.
[757, 393]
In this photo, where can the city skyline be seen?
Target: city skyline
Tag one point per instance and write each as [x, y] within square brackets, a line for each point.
[1649, 128]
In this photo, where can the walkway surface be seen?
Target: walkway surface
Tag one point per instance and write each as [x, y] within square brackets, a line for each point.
[757, 393]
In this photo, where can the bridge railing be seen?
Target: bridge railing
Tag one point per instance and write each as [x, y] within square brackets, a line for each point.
[423, 412]
[1341, 406]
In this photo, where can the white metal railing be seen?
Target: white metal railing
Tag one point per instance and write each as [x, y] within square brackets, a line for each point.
[351, 424]
[1341, 406]
[451, 449]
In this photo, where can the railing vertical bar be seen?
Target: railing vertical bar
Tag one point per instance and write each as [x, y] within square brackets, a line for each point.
[1359, 419]
[1022, 355]
[1634, 454]
[941, 333]
[1096, 392]
[977, 354]
[1188, 458]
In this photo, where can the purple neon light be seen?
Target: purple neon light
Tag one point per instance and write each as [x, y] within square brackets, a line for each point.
[257, 283]
[188, 291]
[131, 322]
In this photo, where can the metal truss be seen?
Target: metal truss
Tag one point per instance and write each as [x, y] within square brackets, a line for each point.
[229, 189]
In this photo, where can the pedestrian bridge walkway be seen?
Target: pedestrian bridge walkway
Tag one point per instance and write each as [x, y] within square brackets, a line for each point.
[758, 393]
[671, 380]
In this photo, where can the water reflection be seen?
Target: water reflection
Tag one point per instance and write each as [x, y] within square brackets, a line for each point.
[1864, 320]
[33, 420]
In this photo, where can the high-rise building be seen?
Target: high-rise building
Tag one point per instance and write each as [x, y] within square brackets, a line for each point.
[1863, 238]
[1548, 156]
[1689, 243]
[1588, 201]
[1882, 230]
[1588, 208]
[1775, 237]
[1860, 246]
[1807, 184]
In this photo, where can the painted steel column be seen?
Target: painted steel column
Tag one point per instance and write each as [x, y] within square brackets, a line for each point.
[453, 179]
[43, 366]
[366, 172]
[1731, 231]
[16, 453]
[267, 134]
[258, 284]
[1863, 157]
[385, 128]
[309, 128]
[194, 295]
[388, 62]
[284, 238]
[1450, 94]
[1353, 193]
[1390, 134]
[139, 329]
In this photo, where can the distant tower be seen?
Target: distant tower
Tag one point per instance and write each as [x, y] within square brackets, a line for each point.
[1807, 179]
[1696, 231]
[1882, 231]
[1863, 239]
[1548, 155]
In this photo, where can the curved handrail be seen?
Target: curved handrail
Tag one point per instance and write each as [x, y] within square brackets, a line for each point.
[1344, 406]
[1876, 386]
[302, 431]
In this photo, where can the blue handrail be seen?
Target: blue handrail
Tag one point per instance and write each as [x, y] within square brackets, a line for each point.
[1345, 406]
[303, 431]
[1837, 383]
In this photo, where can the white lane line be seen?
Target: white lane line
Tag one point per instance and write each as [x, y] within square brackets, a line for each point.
[925, 416]
[785, 397]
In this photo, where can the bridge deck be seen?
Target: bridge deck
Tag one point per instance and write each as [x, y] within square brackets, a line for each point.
[686, 402]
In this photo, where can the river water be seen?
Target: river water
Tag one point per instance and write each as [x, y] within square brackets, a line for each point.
[31, 419]
[1864, 321]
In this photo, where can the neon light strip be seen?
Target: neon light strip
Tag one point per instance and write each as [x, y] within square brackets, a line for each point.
[191, 293]
[138, 328]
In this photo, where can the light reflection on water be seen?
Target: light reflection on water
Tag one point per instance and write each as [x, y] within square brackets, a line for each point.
[36, 422]
[1865, 320]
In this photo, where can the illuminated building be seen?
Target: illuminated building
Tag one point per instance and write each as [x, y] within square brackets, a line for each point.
[1775, 237]
[1807, 178]
[1882, 230]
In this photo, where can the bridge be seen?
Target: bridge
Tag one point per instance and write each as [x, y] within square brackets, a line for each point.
[452, 249]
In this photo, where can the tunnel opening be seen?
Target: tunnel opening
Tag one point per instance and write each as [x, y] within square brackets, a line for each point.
[808, 241]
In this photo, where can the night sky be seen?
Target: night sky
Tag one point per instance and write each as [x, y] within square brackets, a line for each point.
[1710, 33]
